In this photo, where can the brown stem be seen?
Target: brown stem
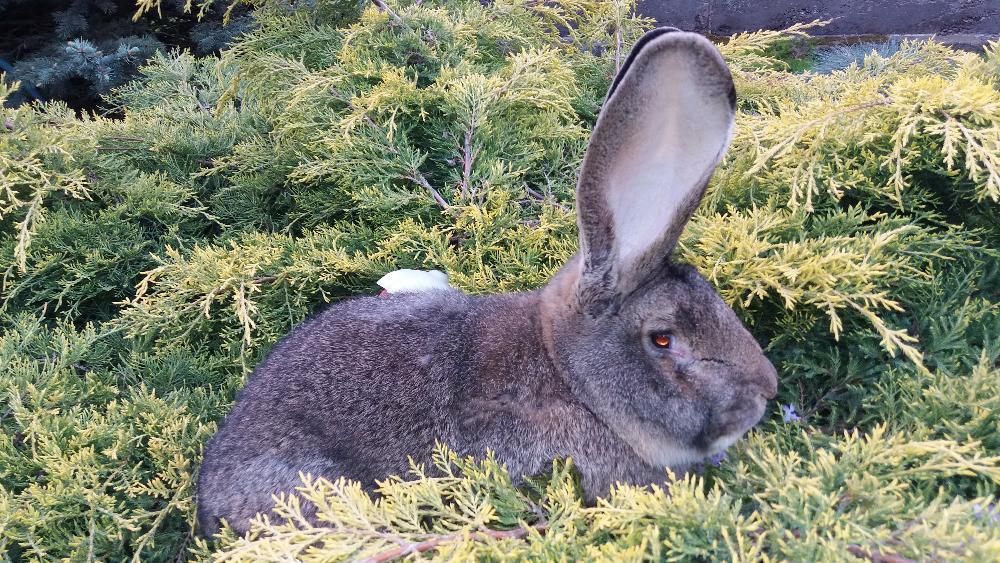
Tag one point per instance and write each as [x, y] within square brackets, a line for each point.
[875, 556]
[182, 550]
[541, 197]
[418, 178]
[618, 48]
[434, 542]
[385, 8]
[468, 156]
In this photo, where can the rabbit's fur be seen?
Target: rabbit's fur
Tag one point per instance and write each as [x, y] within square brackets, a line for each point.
[570, 369]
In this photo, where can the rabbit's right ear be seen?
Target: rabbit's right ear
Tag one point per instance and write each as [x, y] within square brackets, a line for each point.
[665, 125]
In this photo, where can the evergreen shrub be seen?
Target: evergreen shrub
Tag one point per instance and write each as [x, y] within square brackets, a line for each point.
[149, 263]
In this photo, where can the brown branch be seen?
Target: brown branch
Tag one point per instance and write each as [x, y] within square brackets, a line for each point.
[618, 48]
[468, 156]
[381, 5]
[541, 197]
[876, 556]
[434, 542]
[414, 176]
[417, 178]
[182, 550]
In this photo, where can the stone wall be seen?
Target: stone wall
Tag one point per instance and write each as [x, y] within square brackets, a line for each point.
[857, 17]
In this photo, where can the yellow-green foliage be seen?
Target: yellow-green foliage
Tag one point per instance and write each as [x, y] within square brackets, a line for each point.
[36, 165]
[848, 493]
[150, 261]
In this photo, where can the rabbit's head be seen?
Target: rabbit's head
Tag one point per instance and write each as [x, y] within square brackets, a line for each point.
[646, 343]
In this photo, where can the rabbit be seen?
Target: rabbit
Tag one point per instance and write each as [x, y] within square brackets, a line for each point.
[627, 361]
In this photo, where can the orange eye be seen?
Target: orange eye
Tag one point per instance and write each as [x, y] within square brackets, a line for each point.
[661, 340]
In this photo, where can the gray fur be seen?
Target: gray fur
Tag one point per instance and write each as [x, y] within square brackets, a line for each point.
[566, 370]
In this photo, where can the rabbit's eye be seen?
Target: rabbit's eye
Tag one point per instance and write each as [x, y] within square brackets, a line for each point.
[661, 339]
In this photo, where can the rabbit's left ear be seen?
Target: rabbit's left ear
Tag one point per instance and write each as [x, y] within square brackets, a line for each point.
[665, 125]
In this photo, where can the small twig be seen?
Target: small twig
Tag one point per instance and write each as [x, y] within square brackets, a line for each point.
[875, 556]
[434, 542]
[468, 156]
[382, 6]
[618, 48]
[418, 178]
[121, 148]
[541, 197]
[182, 549]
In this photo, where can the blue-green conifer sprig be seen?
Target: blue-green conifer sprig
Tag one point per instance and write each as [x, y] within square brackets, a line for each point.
[96, 46]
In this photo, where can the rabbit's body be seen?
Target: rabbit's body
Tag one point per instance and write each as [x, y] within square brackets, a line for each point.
[371, 402]
[626, 361]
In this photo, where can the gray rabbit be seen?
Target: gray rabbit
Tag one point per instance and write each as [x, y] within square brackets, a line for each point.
[626, 361]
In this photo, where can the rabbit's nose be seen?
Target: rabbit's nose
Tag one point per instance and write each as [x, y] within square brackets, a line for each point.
[768, 378]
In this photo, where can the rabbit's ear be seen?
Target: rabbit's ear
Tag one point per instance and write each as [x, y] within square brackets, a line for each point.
[665, 125]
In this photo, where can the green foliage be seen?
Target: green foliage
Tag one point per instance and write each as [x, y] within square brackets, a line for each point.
[96, 461]
[36, 165]
[151, 261]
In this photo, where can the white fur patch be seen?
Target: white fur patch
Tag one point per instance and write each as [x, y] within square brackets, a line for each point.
[662, 454]
[722, 444]
[673, 456]
[657, 452]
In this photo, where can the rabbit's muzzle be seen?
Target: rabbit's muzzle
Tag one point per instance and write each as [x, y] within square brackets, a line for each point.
[739, 416]
[748, 403]
[765, 379]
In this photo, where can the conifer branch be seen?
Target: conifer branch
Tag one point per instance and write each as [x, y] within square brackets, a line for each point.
[618, 48]
[381, 5]
[468, 156]
[436, 541]
[419, 179]
[106, 149]
[876, 556]
[792, 139]
[540, 197]
[978, 155]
